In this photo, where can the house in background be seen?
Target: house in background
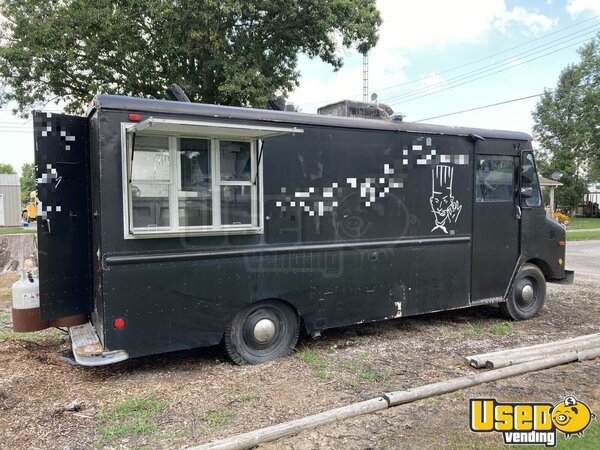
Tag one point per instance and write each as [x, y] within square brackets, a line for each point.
[591, 201]
[10, 200]
[549, 184]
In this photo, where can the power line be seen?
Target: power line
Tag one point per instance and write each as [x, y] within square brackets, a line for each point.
[415, 97]
[524, 44]
[493, 68]
[548, 91]
[469, 63]
[480, 107]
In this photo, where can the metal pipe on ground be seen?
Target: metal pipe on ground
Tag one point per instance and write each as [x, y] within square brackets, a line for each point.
[479, 361]
[253, 438]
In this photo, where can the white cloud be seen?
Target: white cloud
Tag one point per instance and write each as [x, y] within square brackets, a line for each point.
[433, 83]
[411, 26]
[318, 90]
[425, 22]
[576, 7]
[533, 23]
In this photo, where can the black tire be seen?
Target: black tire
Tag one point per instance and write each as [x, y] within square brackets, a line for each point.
[241, 341]
[519, 305]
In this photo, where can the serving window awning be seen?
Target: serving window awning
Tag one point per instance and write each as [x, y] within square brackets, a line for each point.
[210, 129]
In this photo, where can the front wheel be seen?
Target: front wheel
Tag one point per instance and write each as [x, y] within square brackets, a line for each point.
[261, 332]
[527, 295]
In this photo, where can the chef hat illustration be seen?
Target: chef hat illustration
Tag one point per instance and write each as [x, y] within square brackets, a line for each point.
[442, 179]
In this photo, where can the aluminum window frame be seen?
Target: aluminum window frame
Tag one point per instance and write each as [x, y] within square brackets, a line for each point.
[174, 229]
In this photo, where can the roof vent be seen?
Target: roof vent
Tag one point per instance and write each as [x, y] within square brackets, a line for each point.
[350, 108]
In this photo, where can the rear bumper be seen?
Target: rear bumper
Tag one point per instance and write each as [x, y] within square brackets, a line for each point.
[88, 350]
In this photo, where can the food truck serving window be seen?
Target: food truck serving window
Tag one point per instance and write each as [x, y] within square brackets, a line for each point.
[193, 177]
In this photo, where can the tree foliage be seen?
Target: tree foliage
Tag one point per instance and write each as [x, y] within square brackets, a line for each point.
[7, 168]
[219, 51]
[27, 181]
[567, 125]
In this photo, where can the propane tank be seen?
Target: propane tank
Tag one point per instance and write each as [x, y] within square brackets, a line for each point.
[26, 301]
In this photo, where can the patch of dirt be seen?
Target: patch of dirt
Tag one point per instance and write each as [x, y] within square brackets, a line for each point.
[209, 398]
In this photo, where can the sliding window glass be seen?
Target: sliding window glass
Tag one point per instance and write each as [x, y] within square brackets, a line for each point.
[189, 184]
[194, 195]
[150, 183]
[236, 189]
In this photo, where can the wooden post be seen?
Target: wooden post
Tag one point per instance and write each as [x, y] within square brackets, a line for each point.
[254, 438]
[479, 361]
[497, 362]
[444, 387]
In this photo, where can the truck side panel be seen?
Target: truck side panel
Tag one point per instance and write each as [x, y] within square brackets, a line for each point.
[391, 237]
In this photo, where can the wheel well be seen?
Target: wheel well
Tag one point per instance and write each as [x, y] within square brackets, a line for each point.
[543, 266]
[290, 304]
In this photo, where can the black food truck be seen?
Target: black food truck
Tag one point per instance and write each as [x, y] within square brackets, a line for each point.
[168, 225]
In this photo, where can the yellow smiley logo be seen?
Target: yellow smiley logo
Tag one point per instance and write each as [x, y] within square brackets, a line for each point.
[571, 416]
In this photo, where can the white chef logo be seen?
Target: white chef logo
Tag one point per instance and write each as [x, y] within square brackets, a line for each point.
[445, 209]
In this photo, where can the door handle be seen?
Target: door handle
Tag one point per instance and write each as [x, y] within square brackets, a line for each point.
[518, 212]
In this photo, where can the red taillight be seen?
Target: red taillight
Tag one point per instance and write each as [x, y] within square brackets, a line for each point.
[561, 243]
[119, 323]
[134, 117]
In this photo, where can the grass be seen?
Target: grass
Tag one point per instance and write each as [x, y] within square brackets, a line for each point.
[582, 235]
[479, 328]
[217, 419]
[373, 375]
[6, 282]
[132, 419]
[16, 230]
[316, 363]
[590, 440]
[247, 397]
[581, 223]
[365, 372]
[476, 328]
[502, 328]
[37, 336]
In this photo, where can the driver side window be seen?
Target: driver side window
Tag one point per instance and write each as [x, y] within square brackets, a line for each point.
[536, 197]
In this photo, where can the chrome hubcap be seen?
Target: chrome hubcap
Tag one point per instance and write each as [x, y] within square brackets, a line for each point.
[264, 330]
[527, 293]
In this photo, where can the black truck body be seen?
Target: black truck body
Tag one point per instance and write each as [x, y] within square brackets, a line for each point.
[162, 220]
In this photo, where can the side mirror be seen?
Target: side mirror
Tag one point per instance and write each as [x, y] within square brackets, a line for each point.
[526, 192]
[527, 173]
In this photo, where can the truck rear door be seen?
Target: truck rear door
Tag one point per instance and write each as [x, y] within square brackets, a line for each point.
[64, 238]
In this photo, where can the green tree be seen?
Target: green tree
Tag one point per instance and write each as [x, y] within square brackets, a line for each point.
[567, 127]
[27, 181]
[7, 168]
[219, 51]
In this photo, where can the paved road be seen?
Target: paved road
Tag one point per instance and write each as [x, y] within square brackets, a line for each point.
[584, 258]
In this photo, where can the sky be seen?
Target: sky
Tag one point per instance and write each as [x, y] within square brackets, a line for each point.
[434, 57]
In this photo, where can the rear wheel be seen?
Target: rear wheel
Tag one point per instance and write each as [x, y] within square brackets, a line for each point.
[261, 332]
[527, 294]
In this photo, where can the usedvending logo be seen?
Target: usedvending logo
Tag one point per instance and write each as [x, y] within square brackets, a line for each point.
[530, 423]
